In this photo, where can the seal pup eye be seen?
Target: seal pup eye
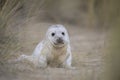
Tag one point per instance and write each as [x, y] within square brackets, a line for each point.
[63, 33]
[53, 34]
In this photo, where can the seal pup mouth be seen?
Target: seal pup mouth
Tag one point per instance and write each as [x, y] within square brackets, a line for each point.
[62, 44]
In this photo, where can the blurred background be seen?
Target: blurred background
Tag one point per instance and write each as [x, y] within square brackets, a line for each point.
[93, 26]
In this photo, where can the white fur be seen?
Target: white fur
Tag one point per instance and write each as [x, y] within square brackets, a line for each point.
[46, 51]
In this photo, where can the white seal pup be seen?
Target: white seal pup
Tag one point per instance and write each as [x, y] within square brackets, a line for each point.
[54, 50]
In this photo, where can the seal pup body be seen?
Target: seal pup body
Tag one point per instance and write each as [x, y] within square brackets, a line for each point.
[54, 50]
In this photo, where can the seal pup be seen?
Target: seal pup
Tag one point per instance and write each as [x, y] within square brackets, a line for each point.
[54, 50]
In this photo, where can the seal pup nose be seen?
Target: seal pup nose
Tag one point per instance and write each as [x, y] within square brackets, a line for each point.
[59, 40]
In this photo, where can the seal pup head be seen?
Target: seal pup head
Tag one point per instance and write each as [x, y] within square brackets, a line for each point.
[58, 35]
